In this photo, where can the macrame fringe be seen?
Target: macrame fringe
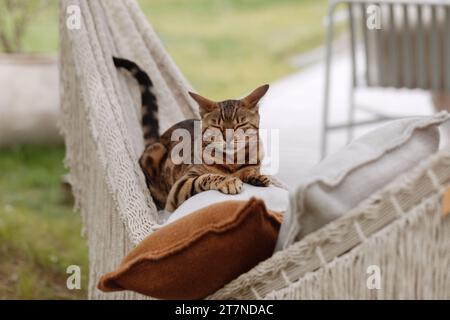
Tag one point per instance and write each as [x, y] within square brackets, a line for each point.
[411, 253]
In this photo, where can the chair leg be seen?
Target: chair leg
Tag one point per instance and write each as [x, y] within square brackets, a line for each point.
[351, 115]
[326, 97]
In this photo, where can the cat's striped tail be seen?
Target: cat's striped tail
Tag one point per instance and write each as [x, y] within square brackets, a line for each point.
[150, 122]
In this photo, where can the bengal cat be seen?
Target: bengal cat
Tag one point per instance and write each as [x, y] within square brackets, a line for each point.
[172, 183]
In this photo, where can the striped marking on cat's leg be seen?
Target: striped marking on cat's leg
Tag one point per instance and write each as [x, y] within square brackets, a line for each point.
[190, 185]
[184, 188]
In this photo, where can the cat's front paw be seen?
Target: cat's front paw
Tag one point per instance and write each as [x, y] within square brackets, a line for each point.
[259, 181]
[231, 185]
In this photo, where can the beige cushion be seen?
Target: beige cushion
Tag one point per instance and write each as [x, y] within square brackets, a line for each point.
[346, 178]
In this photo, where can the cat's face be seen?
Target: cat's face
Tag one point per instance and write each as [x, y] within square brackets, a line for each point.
[228, 121]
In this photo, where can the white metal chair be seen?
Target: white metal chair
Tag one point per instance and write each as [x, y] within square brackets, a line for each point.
[411, 49]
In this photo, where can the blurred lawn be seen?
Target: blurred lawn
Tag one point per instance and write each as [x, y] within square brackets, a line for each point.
[224, 47]
[228, 47]
[39, 232]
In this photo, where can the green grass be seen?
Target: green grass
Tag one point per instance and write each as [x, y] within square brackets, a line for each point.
[42, 34]
[227, 48]
[224, 47]
[39, 232]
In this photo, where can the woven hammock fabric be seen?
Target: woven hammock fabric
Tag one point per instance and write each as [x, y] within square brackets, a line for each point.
[407, 237]
[399, 229]
[101, 124]
[107, 99]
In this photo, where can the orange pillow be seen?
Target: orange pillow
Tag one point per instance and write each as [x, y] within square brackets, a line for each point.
[200, 253]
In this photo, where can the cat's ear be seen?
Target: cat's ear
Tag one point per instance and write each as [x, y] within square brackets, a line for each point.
[205, 105]
[253, 98]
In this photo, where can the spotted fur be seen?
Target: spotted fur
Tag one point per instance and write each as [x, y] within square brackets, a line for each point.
[171, 184]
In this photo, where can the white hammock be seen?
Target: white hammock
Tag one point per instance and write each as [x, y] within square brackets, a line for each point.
[101, 125]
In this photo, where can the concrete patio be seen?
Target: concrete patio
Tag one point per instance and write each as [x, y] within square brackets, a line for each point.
[294, 106]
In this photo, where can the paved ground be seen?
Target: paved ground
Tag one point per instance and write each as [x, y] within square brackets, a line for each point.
[294, 106]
